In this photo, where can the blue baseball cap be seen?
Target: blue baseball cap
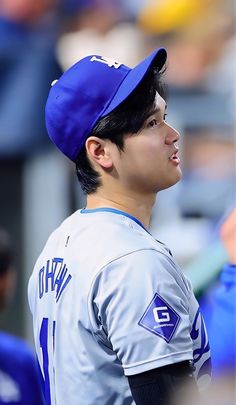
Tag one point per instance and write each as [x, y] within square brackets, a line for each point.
[88, 91]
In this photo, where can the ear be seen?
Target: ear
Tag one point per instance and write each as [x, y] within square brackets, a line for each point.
[98, 151]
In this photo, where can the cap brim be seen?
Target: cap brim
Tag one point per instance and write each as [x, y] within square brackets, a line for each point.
[133, 78]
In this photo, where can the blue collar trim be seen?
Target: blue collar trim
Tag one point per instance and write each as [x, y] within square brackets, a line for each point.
[114, 211]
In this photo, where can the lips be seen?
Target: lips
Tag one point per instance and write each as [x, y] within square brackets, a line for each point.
[174, 158]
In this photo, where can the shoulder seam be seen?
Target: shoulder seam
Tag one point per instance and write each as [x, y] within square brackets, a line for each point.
[124, 255]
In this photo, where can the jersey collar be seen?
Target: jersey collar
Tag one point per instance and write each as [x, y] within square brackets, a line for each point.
[114, 211]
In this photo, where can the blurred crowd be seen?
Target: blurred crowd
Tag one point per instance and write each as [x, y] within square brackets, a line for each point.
[39, 39]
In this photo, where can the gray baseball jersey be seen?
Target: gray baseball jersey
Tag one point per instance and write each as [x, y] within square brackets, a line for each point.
[108, 301]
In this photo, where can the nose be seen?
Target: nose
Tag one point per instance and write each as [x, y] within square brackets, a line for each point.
[172, 135]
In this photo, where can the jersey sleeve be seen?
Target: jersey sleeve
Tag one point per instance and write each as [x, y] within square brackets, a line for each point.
[142, 304]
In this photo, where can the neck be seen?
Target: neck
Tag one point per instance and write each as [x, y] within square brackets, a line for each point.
[139, 207]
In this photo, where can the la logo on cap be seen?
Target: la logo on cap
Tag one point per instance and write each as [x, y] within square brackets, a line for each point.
[108, 61]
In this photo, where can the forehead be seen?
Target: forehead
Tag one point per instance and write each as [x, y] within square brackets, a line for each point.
[159, 102]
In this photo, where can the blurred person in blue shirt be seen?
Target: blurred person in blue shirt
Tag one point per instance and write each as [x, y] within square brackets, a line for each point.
[19, 375]
[219, 306]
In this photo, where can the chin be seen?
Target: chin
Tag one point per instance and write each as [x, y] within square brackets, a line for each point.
[171, 181]
[177, 177]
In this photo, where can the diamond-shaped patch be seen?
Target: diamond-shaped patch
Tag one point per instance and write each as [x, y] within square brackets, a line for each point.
[160, 318]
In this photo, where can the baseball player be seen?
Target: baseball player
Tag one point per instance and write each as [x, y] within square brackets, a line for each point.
[115, 320]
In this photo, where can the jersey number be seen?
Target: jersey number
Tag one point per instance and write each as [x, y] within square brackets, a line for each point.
[43, 338]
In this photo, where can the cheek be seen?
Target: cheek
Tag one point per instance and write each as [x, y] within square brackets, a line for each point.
[146, 149]
[152, 156]
[145, 157]
[142, 162]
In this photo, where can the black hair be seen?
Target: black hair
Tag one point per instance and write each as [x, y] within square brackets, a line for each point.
[6, 252]
[127, 118]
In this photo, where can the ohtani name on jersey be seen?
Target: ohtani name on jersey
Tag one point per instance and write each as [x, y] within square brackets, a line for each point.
[53, 276]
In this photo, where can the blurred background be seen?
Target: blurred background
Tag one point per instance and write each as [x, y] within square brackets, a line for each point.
[40, 39]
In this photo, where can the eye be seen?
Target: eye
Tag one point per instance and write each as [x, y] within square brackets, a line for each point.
[152, 123]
